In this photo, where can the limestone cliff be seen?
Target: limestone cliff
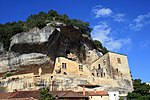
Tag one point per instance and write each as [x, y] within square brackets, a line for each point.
[42, 46]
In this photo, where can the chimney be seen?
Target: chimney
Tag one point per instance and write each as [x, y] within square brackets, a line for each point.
[84, 90]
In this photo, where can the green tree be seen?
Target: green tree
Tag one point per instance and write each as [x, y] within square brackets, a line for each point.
[45, 94]
[100, 46]
[141, 91]
[39, 20]
[52, 14]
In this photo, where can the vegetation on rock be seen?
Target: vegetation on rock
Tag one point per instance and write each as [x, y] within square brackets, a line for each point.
[40, 20]
[141, 91]
[100, 46]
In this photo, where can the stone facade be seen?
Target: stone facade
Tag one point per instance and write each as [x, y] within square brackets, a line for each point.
[111, 72]
[68, 67]
[113, 68]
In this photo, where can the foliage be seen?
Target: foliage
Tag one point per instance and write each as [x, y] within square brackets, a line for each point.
[141, 91]
[45, 94]
[100, 46]
[39, 20]
[7, 74]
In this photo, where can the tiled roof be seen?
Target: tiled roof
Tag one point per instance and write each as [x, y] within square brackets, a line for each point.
[65, 94]
[27, 95]
[20, 99]
[20, 94]
[96, 93]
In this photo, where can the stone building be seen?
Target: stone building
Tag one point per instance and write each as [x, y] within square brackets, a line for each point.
[111, 72]
[68, 67]
[112, 66]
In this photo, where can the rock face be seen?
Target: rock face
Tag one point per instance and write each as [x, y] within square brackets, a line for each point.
[1, 48]
[41, 46]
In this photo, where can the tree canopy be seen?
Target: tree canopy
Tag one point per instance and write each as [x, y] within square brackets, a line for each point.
[39, 20]
[100, 46]
[141, 91]
[45, 94]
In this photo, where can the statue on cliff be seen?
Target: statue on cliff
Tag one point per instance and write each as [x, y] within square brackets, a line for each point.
[40, 71]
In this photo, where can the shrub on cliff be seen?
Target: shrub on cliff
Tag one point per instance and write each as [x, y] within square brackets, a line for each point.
[100, 46]
[40, 20]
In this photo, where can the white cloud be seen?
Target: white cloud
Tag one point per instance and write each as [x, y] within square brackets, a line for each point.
[102, 32]
[140, 22]
[119, 17]
[98, 11]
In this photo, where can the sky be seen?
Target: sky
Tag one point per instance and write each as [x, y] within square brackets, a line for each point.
[123, 26]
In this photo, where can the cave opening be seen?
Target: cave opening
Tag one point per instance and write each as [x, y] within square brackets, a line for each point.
[67, 52]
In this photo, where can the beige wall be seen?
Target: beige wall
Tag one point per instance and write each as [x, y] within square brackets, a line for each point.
[123, 67]
[105, 66]
[112, 68]
[72, 67]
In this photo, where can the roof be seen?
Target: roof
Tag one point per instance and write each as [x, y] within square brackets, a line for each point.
[31, 95]
[116, 53]
[21, 94]
[20, 99]
[67, 94]
[96, 93]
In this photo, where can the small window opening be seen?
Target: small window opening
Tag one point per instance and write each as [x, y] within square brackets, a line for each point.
[65, 73]
[117, 70]
[80, 67]
[64, 65]
[104, 74]
[99, 66]
[119, 60]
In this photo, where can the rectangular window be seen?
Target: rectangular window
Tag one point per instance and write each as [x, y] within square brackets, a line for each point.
[64, 66]
[80, 67]
[119, 60]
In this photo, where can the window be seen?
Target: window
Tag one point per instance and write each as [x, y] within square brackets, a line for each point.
[104, 74]
[97, 74]
[99, 66]
[65, 73]
[104, 62]
[117, 70]
[51, 77]
[80, 67]
[93, 74]
[101, 75]
[119, 60]
[63, 65]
